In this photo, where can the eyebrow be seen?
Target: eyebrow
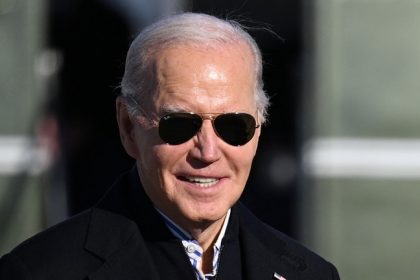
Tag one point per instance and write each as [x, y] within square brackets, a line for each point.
[169, 108]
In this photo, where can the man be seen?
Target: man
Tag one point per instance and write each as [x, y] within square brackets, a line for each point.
[190, 113]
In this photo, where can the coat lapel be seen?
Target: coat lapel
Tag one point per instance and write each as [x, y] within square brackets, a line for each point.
[119, 244]
[264, 253]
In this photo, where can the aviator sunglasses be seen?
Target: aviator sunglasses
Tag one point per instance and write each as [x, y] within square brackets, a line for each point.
[235, 129]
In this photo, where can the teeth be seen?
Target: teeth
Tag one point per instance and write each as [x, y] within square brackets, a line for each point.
[202, 182]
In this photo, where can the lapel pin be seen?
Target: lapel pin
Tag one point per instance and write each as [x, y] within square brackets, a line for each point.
[278, 276]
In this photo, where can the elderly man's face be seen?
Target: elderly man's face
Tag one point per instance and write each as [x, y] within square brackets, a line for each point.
[199, 180]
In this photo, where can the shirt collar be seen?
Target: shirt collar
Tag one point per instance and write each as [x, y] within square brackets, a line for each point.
[182, 234]
[193, 249]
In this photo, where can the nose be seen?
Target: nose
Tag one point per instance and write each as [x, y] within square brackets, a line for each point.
[206, 144]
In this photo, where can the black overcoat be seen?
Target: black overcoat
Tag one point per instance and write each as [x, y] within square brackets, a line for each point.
[124, 238]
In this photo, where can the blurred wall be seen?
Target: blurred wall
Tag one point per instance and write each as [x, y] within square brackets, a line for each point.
[22, 86]
[362, 199]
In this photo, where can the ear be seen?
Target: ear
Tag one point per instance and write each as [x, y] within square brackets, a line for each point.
[126, 128]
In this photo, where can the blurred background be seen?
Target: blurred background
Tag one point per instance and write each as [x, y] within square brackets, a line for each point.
[338, 166]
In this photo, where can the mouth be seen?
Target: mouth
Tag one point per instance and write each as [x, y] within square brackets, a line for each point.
[200, 181]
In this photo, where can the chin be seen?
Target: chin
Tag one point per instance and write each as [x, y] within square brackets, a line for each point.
[209, 215]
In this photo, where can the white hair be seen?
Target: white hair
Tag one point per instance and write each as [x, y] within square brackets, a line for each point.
[186, 28]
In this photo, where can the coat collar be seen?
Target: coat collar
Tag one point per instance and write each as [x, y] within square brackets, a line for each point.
[125, 218]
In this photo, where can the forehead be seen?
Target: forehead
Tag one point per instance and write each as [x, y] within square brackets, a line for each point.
[205, 76]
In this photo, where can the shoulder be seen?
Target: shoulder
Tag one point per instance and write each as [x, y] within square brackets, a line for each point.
[284, 249]
[64, 247]
[300, 256]
[67, 234]
[48, 247]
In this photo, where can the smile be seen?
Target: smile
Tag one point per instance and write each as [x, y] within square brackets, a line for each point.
[202, 182]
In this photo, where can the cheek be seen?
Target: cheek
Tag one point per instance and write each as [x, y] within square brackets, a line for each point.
[241, 161]
[147, 145]
[248, 153]
[162, 159]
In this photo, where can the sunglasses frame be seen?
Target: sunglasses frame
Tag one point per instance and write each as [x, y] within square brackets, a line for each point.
[203, 116]
[213, 118]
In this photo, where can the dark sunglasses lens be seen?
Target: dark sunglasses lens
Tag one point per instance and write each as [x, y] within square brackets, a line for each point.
[235, 128]
[178, 128]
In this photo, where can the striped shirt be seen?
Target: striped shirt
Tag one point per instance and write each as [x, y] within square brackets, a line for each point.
[194, 250]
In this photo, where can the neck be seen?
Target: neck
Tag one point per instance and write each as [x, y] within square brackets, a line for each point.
[206, 237]
[205, 233]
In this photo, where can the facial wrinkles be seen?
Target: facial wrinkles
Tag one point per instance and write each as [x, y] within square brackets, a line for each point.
[148, 169]
[204, 100]
[200, 82]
